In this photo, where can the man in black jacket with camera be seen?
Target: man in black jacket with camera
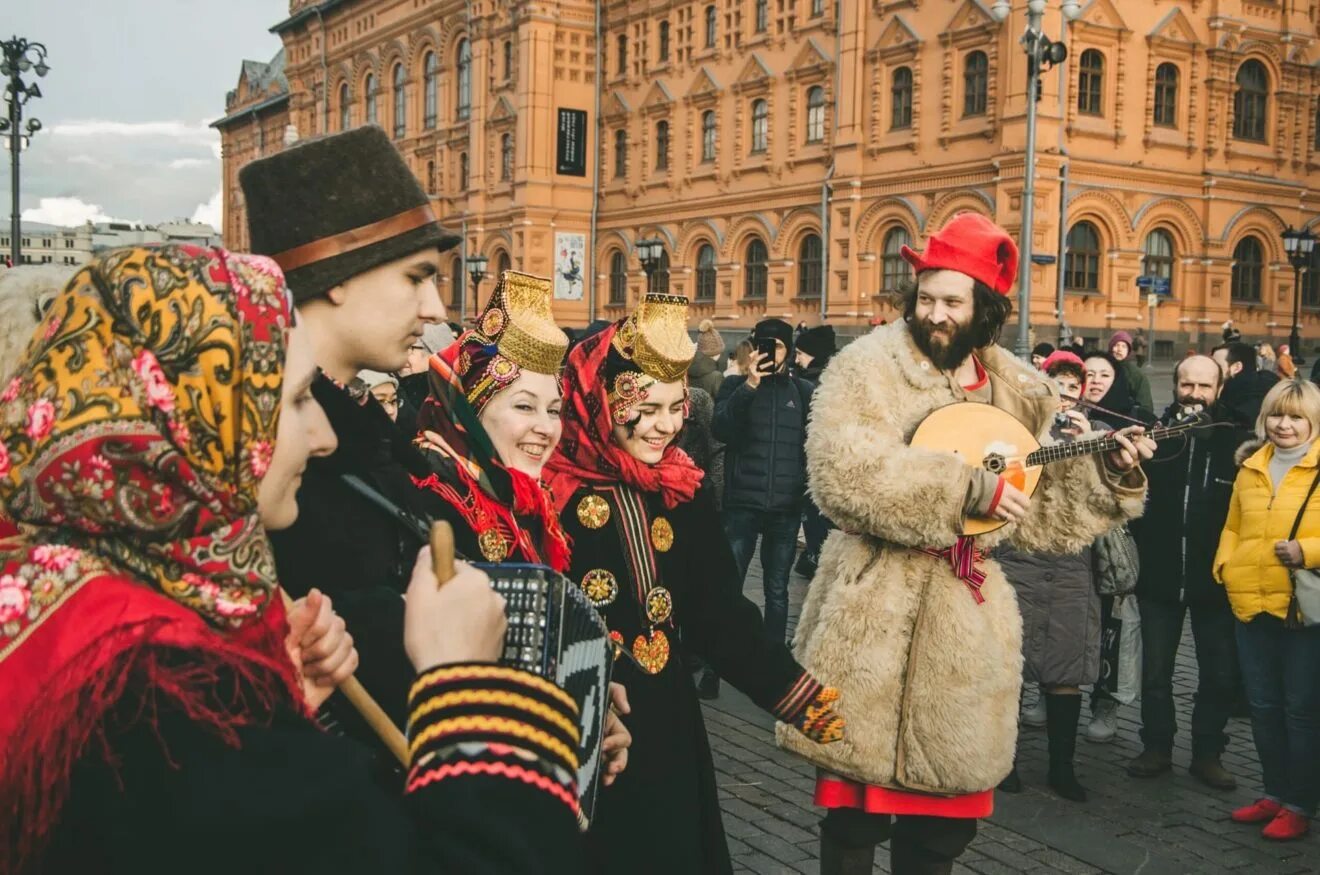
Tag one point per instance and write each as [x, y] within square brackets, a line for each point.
[762, 418]
[1191, 483]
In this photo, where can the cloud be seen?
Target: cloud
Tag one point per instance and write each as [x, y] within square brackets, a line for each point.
[89, 161]
[168, 130]
[210, 212]
[181, 163]
[67, 211]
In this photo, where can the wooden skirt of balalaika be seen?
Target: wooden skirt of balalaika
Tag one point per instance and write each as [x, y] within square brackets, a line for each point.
[555, 632]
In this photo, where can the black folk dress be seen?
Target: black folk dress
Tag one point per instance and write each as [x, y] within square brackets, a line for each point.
[662, 814]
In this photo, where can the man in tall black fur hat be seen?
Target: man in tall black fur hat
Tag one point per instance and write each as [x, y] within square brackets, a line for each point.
[360, 245]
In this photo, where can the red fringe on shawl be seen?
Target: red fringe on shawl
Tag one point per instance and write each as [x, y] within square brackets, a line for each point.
[132, 642]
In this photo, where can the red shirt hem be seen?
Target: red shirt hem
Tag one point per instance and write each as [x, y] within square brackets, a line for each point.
[841, 793]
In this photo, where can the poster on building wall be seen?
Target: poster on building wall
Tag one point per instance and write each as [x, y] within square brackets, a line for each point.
[572, 147]
[570, 258]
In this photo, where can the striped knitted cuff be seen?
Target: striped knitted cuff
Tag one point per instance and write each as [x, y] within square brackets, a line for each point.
[490, 720]
[809, 706]
[798, 696]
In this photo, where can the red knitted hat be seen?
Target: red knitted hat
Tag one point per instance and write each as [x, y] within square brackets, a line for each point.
[970, 244]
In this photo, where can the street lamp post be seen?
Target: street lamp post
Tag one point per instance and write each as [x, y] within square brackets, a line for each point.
[1298, 245]
[1042, 54]
[20, 56]
[649, 253]
[476, 268]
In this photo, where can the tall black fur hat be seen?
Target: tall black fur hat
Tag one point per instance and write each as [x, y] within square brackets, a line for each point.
[337, 206]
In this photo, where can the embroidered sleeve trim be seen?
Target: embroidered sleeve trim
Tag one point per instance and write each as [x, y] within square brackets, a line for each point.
[420, 779]
[496, 697]
[512, 676]
[805, 689]
[492, 726]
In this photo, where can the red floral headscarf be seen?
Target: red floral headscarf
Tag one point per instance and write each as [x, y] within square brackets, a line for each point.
[132, 443]
[587, 452]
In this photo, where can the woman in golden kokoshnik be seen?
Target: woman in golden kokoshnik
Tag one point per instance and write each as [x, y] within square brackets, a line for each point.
[649, 550]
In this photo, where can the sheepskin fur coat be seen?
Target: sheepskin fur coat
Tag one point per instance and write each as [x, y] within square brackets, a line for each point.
[929, 678]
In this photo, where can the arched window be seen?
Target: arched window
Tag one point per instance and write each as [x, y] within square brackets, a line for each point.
[662, 145]
[508, 59]
[369, 89]
[1248, 265]
[660, 276]
[810, 267]
[755, 269]
[400, 105]
[894, 269]
[706, 273]
[431, 72]
[1250, 101]
[622, 54]
[1158, 260]
[708, 135]
[815, 114]
[976, 83]
[463, 106]
[762, 16]
[463, 175]
[345, 107]
[900, 115]
[502, 264]
[710, 27]
[662, 52]
[1091, 83]
[760, 125]
[620, 153]
[506, 157]
[1081, 267]
[1311, 281]
[1166, 95]
[457, 281]
[618, 278]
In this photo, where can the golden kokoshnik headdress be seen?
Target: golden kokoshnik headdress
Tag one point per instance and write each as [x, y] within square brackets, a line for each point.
[515, 333]
[650, 346]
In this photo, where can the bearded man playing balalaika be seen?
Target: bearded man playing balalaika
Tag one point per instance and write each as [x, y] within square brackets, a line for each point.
[920, 631]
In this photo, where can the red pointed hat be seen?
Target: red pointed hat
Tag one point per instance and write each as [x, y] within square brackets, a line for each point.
[971, 244]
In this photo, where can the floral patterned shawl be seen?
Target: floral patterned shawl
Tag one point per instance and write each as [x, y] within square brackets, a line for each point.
[132, 443]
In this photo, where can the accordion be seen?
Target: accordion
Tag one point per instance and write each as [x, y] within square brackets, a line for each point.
[556, 633]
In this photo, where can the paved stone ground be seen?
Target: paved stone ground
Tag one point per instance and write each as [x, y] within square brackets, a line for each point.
[1163, 826]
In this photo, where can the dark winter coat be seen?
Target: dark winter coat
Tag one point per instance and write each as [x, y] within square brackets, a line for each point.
[662, 814]
[1191, 484]
[765, 433]
[352, 550]
[698, 441]
[1060, 615]
[704, 373]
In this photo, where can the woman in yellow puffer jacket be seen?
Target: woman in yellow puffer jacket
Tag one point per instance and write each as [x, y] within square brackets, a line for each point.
[1280, 661]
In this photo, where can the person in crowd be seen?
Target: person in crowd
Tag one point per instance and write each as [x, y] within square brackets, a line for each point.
[762, 420]
[1079, 346]
[384, 388]
[649, 551]
[360, 244]
[1120, 348]
[414, 380]
[153, 680]
[1140, 347]
[1283, 365]
[1230, 333]
[1060, 607]
[25, 294]
[1245, 387]
[1039, 353]
[921, 633]
[1265, 358]
[1186, 504]
[1273, 526]
[815, 348]
[707, 371]
[741, 360]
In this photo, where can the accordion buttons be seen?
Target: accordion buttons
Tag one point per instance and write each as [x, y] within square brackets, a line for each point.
[600, 586]
[652, 655]
[662, 534]
[659, 605]
[493, 546]
[593, 511]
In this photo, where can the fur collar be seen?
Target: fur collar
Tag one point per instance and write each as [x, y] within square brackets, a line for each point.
[1247, 450]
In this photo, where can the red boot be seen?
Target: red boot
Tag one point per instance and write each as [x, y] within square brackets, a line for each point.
[1286, 826]
[1260, 811]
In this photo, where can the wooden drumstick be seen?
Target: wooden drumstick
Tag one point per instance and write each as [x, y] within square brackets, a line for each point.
[442, 551]
[371, 712]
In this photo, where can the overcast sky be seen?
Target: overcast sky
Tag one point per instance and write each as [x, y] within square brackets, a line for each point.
[132, 87]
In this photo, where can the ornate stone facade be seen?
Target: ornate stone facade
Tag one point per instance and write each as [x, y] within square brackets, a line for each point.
[1188, 132]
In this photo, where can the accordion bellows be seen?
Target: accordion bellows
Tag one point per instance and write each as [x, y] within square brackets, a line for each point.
[655, 338]
[519, 321]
